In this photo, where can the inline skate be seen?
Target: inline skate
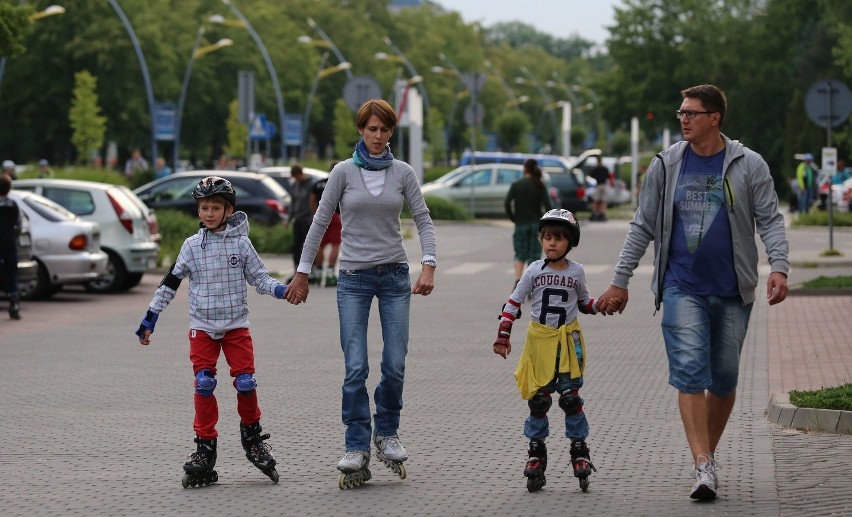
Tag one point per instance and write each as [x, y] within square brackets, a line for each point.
[391, 452]
[258, 452]
[536, 465]
[354, 469]
[199, 466]
[582, 463]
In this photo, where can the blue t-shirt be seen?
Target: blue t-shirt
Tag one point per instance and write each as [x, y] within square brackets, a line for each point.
[701, 260]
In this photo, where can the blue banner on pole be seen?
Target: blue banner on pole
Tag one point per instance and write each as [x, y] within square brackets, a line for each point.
[292, 129]
[164, 121]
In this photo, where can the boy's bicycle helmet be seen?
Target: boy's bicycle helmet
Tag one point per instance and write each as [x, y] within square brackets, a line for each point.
[564, 217]
[215, 186]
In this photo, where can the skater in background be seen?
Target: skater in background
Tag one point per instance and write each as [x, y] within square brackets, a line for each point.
[10, 229]
[218, 260]
[322, 274]
[370, 189]
[525, 203]
[702, 200]
[554, 355]
[601, 176]
[300, 210]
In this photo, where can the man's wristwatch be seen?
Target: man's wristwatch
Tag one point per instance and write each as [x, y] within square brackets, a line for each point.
[429, 262]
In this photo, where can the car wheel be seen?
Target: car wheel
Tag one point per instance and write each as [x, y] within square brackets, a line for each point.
[113, 279]
[39, 287]
[132, 280]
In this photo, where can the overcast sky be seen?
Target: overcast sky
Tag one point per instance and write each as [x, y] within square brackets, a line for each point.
[561, 18]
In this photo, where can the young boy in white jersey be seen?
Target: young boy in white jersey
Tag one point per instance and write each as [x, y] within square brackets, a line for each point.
[554, 353]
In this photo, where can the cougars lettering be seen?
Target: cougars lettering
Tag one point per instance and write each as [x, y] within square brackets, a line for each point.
[558, 280]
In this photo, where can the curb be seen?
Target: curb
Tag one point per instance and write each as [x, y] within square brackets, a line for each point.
[785, 414]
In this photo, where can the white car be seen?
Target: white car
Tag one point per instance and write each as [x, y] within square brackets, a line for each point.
[66, 248]
[129, 230]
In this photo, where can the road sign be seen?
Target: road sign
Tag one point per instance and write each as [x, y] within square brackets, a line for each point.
[828, 103]
[292, 129]
[164, 121]
[474, 113]
[474, 81]
[359, 89]
[257, 128]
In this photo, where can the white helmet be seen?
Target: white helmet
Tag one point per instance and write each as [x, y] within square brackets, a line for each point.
[8, 164]
[565, 217]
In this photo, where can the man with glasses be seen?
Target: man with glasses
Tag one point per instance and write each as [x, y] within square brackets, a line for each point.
[701, 201]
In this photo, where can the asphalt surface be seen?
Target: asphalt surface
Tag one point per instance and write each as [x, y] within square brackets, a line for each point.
[92, 423]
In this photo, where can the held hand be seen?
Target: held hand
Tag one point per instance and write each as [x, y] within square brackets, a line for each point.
[297, 289]
[776, 288]
[613, 300]
[425, 282]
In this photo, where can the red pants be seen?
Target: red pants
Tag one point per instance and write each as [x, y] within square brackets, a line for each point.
[204, 354]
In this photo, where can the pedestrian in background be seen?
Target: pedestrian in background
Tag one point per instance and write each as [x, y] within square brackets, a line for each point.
[806, 176]
[371, 188]
[135, 164]
[325, 273]
[9, 169]
[701, 202]
[525, 203]
[300, 210]
[10, 229]
[601, 176]
[161, 170]
[44, 169]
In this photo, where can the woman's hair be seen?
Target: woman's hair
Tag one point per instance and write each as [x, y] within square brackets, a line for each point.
[531, 167]
[379, 108]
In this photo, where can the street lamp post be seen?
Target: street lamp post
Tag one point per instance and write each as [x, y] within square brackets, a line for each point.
[548, 101]
[50, 11]
[400, 57]
[146, 77]
[342, 65]
[450, 69]
[273, 75]
[196, 53]
[514, 101]
[321, 72]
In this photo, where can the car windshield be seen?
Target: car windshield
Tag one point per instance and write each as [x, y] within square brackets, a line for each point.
[563, 179]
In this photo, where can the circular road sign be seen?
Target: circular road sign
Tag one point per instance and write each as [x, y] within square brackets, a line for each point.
[828, 103]
[360, 89]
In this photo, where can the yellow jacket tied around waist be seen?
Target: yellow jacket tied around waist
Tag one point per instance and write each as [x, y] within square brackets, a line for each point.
[535, 367]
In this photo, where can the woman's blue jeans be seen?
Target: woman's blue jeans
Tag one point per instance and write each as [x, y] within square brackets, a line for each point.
[356, 289]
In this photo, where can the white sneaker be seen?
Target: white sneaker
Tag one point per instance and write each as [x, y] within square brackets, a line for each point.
[354, 461]
[706, 481]
[389, 447]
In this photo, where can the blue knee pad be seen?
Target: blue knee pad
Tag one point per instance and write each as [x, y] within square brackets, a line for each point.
[205, 383]
[540, 404]
[245, 383]
[571, 403]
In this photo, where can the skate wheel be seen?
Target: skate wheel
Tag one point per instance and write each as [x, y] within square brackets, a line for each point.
[185, 481]
[273, 475]
[584, 484]
[341, 482]
[402, 471]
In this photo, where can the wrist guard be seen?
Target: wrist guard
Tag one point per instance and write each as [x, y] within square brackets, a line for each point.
[148, 323]
[504, 332]
[279, 291]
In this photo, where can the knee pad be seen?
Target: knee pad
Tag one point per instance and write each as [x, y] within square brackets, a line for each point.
[540, 404]
[205, 383]
[245, 383]
[571, 403]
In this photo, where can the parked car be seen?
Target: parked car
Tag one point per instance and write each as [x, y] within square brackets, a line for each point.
[258, 195]
[66, 248]
[129, 230]
[481, 188]
[282, 175]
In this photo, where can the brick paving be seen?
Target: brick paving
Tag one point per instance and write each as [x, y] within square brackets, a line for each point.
[93, 424]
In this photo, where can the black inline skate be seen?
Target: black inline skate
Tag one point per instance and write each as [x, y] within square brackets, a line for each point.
[536, 465]
[258, 452]
[582, 463]
[199, 465]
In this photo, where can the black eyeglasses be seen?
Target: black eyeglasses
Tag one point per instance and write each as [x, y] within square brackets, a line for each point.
[690, 114]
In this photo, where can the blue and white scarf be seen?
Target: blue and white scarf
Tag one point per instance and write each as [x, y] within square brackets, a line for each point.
[361, 157]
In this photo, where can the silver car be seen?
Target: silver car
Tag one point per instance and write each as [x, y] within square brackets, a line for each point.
[66, 248]
[482, 189]
[129, 230]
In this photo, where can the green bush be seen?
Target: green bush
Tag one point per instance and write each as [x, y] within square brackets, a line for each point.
[832, 282]
[442, 209]
[839, 398]
[176, 226]
[820, 218]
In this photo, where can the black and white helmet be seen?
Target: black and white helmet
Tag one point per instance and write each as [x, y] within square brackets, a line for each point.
[565, 217]
[215, 186]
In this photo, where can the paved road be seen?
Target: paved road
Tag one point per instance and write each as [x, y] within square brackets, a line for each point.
[91, 423]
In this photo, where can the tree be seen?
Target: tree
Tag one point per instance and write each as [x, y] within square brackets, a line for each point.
[437, 136]
[237, 133]
[345, 133]
[14, 26]
[512, 129]
[88, 127]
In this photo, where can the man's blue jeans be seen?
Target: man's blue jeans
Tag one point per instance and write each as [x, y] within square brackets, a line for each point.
[356, 289]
